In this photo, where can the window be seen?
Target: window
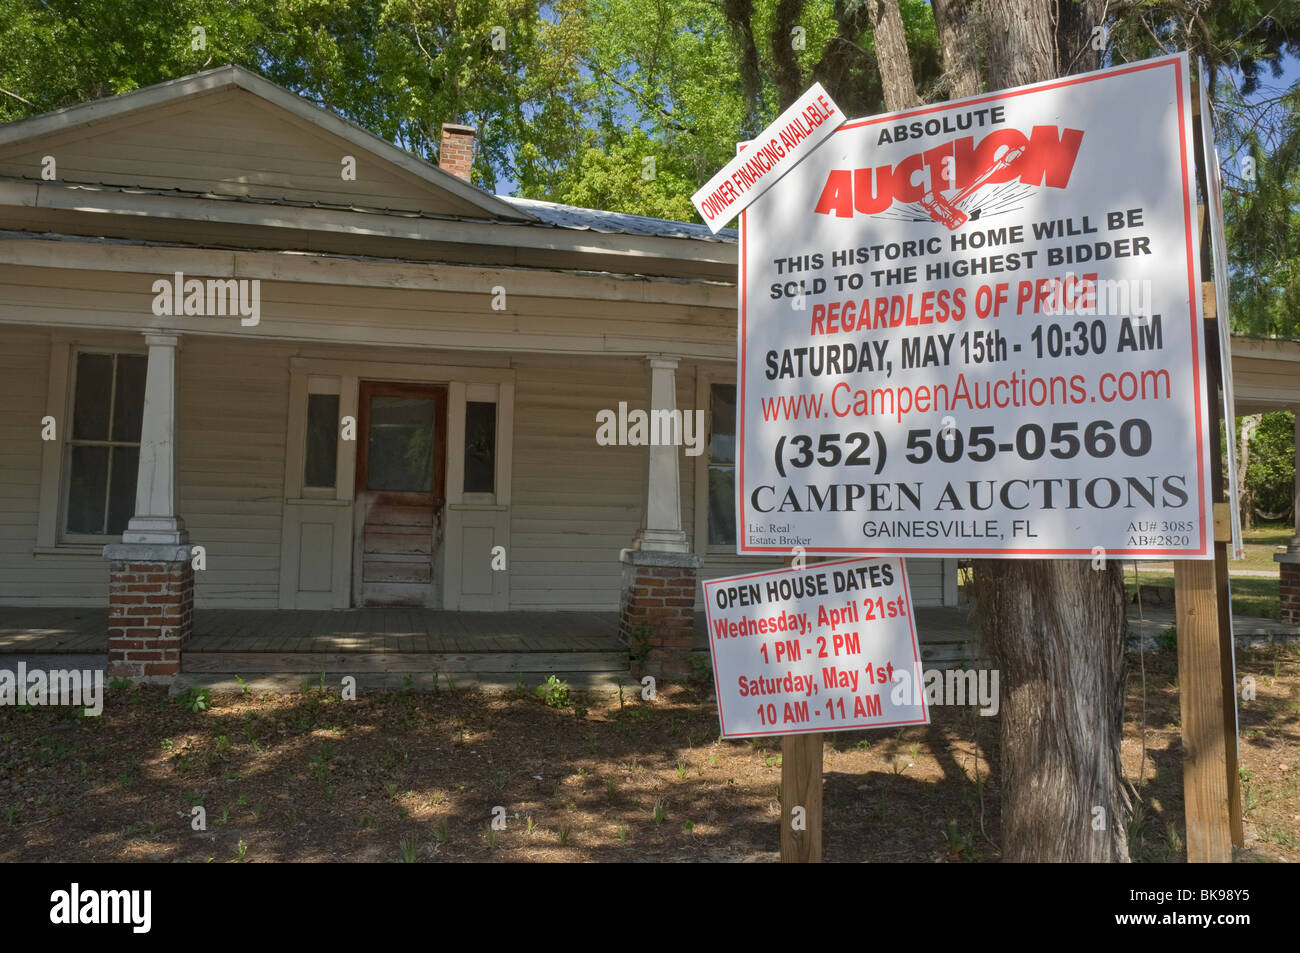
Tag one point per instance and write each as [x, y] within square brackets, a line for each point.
[480, 446]
[722, 465]
[320, 467]
[103, 445]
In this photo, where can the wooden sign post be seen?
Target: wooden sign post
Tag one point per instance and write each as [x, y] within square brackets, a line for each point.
[801, 786]
[1206, 672]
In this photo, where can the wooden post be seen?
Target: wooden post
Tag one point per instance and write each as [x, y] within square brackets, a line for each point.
[1200, 690]
[1222, 536]
[1207, 688]
[801, 787]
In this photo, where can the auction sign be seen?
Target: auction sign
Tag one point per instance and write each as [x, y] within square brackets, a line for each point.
[975, 329]
[830, 647]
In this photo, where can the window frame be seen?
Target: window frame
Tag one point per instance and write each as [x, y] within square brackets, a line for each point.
[67, 441]
[704, 381]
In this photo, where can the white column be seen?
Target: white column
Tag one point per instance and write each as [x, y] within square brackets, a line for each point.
[155, 520]
[663, 513]
[1294, 545]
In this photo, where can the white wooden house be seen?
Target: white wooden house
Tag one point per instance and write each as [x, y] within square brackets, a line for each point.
[466, 342]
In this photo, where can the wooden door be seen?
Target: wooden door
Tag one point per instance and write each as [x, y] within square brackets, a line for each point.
[401, 461]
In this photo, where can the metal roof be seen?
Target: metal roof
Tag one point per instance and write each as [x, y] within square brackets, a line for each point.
[617, 223]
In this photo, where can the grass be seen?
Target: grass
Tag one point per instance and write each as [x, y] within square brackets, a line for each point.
[1260, 544]
[1251, 595]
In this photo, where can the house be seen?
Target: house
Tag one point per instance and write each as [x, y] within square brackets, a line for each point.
[255, 358]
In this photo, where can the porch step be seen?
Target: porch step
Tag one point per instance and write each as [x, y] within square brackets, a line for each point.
[349, 663]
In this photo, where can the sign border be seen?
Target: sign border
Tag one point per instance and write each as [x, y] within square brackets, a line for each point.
[1179, 62]
[814, 729]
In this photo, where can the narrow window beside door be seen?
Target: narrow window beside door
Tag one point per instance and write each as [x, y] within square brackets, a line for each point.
[103, 446]
[321, 466]
[480, 447]
[722, 465]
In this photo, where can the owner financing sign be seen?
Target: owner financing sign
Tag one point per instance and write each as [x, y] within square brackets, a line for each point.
[975, 329]
[828, 648]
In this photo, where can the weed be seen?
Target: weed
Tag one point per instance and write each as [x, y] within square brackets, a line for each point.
[243, 685]
[408, 849]
[564, 834]
[622, 832]
[196, 700]
[681, 771]
[1167, 640]
[553, 692]
[661, 810]
[223, 819]
[241, 850]
[688, 826]
[611, 789]
[223, 742]
[444, 831]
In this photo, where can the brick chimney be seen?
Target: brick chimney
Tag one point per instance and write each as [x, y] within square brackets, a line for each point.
[456, 153]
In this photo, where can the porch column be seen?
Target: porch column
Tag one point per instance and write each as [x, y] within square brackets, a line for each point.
[151, 582]
[1289, 568]
[660, 573]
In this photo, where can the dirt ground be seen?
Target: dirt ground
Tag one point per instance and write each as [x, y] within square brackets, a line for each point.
[420, 776]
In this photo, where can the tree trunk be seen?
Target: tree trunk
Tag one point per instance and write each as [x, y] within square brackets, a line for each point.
[1054, 628]
[1021, 47]
[956, 22]
[891, 55]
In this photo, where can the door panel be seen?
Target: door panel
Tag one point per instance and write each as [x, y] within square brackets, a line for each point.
[401, 460]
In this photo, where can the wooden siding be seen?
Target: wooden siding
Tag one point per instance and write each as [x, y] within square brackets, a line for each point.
[575, 504]
[229, 143]
[232, 417]
[395, 316]
[25, 578]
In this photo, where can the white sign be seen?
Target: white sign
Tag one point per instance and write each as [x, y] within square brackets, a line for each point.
[975, 329]
[772, 153]
[828, 648]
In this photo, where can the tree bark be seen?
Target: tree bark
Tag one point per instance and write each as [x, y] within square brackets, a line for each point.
[891, 55]
[1021, 48]
[956, 22]
[1054, 628]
